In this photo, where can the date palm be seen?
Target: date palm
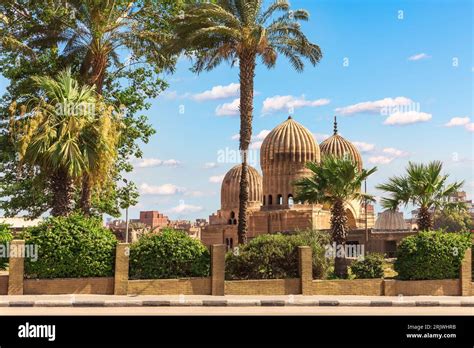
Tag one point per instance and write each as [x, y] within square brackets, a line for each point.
[334, 181]
[424, 186]
[242, 31]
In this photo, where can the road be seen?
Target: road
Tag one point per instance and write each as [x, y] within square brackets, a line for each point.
[288, 310]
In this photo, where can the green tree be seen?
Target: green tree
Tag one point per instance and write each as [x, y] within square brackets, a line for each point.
[424, 186]
[454, 221]
[242, 31]
[334, 181]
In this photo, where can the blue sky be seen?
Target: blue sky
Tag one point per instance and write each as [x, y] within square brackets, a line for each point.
[414, 55]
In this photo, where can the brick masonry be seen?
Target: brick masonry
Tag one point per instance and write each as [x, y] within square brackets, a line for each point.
[4, 284]
[99, 286]
[190, 286]
[122, 254]
[263, 287]
[16, 268]
[466, 274]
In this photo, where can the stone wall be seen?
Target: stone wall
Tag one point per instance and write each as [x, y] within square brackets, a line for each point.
[98, 286]
[440, 287]
[185, 286]
[3, 284]
[263, 287]
[363, 287]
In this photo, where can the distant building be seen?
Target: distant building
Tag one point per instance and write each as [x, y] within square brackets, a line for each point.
[18, 224]
[153, 219]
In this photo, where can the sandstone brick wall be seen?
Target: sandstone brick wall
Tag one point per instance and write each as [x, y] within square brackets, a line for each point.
[4, 284]
[365, 287]
[99, 286]
[442, 287]
[188, 286]
[263, 287]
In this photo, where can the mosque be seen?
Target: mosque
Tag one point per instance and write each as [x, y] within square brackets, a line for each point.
[272, 208]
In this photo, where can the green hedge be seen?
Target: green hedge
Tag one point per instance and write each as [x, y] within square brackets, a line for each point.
[369, 267]
[71, 247]
[275, 256]
[168, 254]
[431, 255]
[5, 237]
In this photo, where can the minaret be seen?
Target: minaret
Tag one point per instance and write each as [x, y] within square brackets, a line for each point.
[335, 125]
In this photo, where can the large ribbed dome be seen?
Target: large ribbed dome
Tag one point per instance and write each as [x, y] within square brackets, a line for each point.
[339, 147]
[230, 188]
[289, 141]
[390, 220]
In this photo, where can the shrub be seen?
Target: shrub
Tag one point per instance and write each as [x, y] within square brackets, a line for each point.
[5, 237]
[273, 256]
[431, 255]
[71, 247]
[168, 254]
[370, 267]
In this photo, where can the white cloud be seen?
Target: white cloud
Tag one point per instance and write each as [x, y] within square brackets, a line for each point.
[173, 95]
[380, 159]
[155, 162]
[287, 102]
[162, 190]
[470, 127]
[458, 121]
[262, 134]
[218, 92]
[235, 137]
[216, 179]
[320, 137]
[375, 106]
[363, 147]
[257, 140]
[256, 145]
[228, 109]
[409, 117]
[183, 208]
[210, 165]
[395, 152]
[419, 56]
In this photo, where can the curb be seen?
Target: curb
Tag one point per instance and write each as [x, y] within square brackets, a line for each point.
[232, 303]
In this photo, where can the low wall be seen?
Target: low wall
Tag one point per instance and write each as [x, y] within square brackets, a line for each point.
[263, 287]
[3, 284]
[185, 286]
[441, 287]
[364, 287]
[99, 286]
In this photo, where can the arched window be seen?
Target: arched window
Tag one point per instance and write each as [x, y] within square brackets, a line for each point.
[232, 215]
[263, 200]
[279, 199]
[227, 243]
[270, 202]
[231, 243]
[229, 222]
[234, 221]
[290, 200]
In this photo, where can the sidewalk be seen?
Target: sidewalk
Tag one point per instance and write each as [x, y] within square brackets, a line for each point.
[233, 301]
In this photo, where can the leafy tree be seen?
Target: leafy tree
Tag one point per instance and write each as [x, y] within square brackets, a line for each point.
[424, 186]
[370, 267]
[5, 237]
[454, 221]
[243, 30]
[334, 181]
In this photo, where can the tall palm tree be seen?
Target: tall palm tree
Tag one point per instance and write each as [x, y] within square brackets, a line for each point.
[334, 181]
[242, 30]
[424, 186]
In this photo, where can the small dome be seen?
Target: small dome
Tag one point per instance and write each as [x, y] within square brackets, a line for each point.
[230, 188]
[338, 146]
[390, 220]
[289, 142]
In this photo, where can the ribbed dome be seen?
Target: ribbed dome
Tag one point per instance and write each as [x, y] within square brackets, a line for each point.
[230, 188]
[289, 142]
[390, 220]
[338, 146]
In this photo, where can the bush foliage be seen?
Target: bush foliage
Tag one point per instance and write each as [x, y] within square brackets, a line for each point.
[71, 247]
[431, 255]
[274, 256]
[168, 254]
[5, 237]
[369, 267]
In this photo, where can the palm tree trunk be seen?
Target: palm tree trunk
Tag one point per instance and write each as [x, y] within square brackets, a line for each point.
[425, 222]
[86, 195]
[246, 76]
[61, 185]
[339, 233]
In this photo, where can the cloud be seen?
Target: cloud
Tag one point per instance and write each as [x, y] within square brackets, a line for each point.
[363, 147]
[262, 134]
[470, 127]
[409, 117]
[458, 121]
[287, 102]
[218, 92]
[210, 165]
[419, 56]
[380, 159]
[183, 208]
[162, 190]
[216, 179]
[155, 162]
[255, 145]
[320, 137]
[228, 109]
[375, 106]
[235, 137]
[173, 95]
[394, 152]
[257, 139]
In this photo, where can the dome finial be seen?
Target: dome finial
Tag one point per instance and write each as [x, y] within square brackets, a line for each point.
[289, 117]
[335, 125]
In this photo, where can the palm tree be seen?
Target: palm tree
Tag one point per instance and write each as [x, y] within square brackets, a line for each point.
[334, 181]
[424, 186]
[242, 30]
